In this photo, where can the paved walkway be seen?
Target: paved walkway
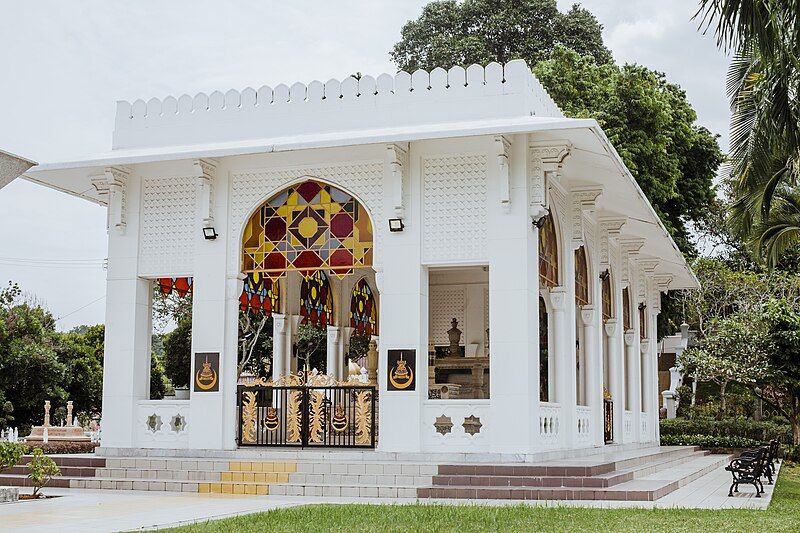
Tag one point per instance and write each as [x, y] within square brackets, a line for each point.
[109, 510]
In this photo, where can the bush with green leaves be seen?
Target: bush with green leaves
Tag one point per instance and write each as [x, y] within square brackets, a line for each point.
[709, 441]
[10, 454]
[748, 428]
[41, 470]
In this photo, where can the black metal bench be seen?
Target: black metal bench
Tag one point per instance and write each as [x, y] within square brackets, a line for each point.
[749, 468]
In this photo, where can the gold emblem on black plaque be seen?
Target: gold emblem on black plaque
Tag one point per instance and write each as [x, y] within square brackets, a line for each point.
[206, 378]
[271, 421]
[339, 419]
[401, 369]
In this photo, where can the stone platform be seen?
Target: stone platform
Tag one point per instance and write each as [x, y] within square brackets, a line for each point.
[631, 473]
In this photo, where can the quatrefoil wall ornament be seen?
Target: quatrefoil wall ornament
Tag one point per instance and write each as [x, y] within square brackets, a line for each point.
[472, 425]
[443, 425]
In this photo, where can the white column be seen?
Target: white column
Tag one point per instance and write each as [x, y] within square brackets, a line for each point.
[332, 366]
[564, 358]
[648, 389]
[593, 374]
[632, 361]
[279, 366]
[126, 359]
[616, 376]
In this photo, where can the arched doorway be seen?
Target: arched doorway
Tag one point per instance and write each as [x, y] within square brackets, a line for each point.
[307, 253]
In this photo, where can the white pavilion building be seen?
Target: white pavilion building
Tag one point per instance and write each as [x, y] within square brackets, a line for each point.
[387, 207]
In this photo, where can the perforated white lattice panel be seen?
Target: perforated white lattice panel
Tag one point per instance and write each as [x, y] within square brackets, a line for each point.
[166, 237]
[446, 303]
[454, 208]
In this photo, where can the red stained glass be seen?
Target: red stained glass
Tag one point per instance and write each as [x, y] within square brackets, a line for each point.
[581, 277]
[180, 285]
[316, 300]
[260, 295]
[363, 310]
[548, 254]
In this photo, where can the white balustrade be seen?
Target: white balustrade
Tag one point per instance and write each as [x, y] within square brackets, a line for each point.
[456, 425]
[550, 424]
[645, 434]
[627, 426]
[583, 426]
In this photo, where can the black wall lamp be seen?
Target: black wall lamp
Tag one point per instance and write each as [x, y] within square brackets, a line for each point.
[209, 233]
[539, 220]
[642, 306]
[396, 224]
[604, 275]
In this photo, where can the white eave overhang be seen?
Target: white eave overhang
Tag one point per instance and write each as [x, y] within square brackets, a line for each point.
[74, 177]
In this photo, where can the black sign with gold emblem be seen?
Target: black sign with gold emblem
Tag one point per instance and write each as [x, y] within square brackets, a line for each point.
[401, 368]
[206, 372]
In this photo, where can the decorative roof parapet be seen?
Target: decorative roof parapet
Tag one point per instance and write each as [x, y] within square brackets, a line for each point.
[440, 96]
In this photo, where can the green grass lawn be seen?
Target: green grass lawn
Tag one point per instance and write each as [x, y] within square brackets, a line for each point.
[783, 515]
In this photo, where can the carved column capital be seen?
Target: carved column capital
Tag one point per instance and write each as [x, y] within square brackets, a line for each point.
[397, 170]
[584, 200]
[644, 346]
[279, 323]
[630, 337]
[558, 298]
[204, 170]
[545, 159]
[502, 148]
[612, 327]
[588, 314]
[113, 185]
[333, 333]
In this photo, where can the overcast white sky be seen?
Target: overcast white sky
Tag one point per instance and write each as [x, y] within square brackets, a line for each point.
[64, 64]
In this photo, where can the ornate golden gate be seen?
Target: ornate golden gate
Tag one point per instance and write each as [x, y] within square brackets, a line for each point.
[301, 412]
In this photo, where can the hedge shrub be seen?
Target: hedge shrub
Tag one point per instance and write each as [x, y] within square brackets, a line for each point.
[761, 431]
[709, 441]
[63, 447]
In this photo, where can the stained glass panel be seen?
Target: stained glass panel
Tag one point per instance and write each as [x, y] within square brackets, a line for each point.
[607, 297]
[643, 322]
[548, 254]
[626, 309]
[260, 294]
[316, 300]
[581, 277]
[308, 227]
[363, 311]
[180, 285]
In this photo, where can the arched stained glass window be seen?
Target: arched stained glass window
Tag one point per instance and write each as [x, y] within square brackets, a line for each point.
[548, 253]
[181, 285]
[363, 311]
[605, 288]
[260, 295]
[308, 227]
[316, 300]
[642, 321]
[544, 332]
[581, 277]
[626, 309]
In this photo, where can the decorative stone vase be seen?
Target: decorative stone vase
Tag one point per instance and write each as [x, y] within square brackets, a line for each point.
[181, 393]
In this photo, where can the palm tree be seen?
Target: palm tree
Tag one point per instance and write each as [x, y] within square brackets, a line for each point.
[764, 86]
[782, 228]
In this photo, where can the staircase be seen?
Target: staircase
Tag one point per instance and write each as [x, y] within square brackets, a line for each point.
[645, 476]
[72, 467]
[634, 474]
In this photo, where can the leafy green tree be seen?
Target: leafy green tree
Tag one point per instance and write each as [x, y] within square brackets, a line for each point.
[10, 454]
[764, 89]
[178, 354]
[782, 389]
[255, 343]
[651, 124]
[451, 33]
[81, 352]
[735, 351]
[30, 371]
[311, 348]
[41, 469]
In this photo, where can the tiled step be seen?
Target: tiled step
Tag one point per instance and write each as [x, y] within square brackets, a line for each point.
[344, 490]
[648, 488]
[21, 480]
[66, 471]
[526, 476]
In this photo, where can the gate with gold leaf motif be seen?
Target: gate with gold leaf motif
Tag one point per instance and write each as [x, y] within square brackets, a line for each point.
[307, 415]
